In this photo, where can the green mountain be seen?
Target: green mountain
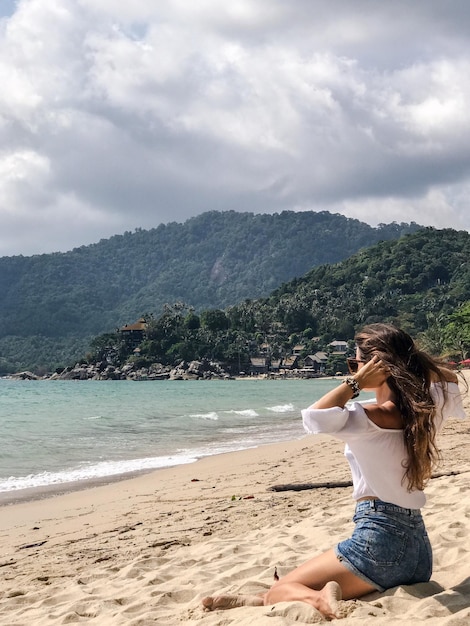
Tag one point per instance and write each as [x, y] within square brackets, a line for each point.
[52, 304]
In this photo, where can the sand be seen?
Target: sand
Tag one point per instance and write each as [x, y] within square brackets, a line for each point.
[146, 550]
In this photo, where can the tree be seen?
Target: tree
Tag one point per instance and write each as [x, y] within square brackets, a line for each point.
[214, 320]
[457, 331]
[433, 339]
[192, 321]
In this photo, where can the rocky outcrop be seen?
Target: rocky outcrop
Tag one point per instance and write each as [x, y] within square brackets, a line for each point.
[24, 376]
[194, 370]
[197, 370]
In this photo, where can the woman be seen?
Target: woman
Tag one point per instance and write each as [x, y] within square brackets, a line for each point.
[391, 449]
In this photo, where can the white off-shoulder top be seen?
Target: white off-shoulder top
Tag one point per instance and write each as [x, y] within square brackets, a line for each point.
[376, 455]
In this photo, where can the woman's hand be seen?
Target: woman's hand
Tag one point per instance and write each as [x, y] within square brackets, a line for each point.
[372, 374]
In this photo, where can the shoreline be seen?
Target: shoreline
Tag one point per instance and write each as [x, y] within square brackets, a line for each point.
[32, 494]
[294, 375]
[209, 432]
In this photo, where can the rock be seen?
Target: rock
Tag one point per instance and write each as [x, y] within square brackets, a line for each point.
[25, 376]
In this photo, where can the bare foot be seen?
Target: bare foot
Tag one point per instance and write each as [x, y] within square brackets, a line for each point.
[328, 601]
[211, 603]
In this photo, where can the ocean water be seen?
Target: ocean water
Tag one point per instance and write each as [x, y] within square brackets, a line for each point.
[55, 433]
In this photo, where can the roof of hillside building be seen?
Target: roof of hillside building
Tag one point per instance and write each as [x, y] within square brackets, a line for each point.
[141, 324]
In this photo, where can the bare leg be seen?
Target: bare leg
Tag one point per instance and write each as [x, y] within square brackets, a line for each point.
[320, 582]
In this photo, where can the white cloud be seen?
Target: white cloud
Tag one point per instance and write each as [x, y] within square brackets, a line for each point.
[433, 209]
[120, 118]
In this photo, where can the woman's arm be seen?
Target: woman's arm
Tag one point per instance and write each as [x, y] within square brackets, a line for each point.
[371, 376]
[335, 397]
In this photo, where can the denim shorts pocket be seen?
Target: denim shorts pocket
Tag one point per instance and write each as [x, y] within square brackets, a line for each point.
[384, 543]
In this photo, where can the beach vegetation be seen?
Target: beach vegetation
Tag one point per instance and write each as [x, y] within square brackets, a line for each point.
[456, 333]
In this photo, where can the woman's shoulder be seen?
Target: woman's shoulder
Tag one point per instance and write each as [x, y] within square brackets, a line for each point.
[385, 415]
[448, 399]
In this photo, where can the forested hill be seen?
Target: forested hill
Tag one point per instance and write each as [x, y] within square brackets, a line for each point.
[418, 282]
[51, 304]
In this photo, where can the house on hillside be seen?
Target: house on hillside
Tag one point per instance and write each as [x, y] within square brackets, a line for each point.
[316, 362]
[290, 362]
[297, 350]
[258, 365]
[338, 347]
[133, 334]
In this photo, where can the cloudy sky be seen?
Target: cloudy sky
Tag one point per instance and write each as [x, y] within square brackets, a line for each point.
[119, 115]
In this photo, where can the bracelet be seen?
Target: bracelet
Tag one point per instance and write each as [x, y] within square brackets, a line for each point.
[352, 382]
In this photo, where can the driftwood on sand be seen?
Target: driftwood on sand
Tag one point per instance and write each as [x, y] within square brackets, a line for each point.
[336, 484]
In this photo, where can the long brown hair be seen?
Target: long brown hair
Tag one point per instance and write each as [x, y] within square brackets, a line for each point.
[411, 373]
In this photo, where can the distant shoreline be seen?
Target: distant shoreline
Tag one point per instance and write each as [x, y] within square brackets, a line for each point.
[29, 376]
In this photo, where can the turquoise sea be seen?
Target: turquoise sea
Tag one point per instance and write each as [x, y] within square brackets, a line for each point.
[57, 433]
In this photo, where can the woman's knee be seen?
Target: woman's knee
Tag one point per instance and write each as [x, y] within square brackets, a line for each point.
[272, 592]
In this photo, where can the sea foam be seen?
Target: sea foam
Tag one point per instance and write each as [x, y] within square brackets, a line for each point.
[90, 472]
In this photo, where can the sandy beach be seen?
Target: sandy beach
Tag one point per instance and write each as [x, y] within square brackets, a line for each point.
[146, 550]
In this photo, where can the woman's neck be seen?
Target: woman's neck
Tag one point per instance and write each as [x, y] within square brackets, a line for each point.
[384, 394]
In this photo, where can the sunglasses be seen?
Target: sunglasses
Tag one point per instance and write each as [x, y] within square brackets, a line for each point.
[353, 364]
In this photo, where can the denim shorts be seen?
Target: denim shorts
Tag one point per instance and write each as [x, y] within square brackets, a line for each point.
[389, 546]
